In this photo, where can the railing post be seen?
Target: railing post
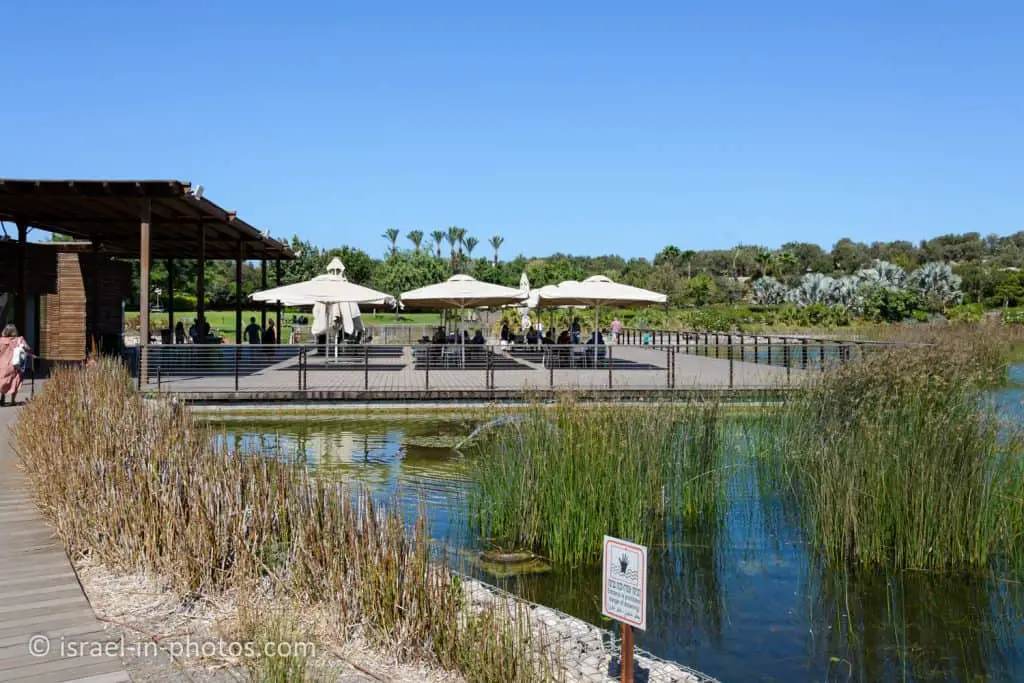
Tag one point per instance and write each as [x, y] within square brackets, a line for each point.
[238, 352]
[608, 349]
[769, 349]
[552, 359]
[159, 378]
[785, 357]
[668, 367]
[756, 361]
[299, 367]
[707, 339]
[743, 350]
[729, 354]
[366, 366]
[803, 354]
[428, 352]
[821, 353]
[487, 369]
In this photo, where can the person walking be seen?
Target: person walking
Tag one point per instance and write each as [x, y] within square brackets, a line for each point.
[616, 330]
[270, 334]
[253, 332]
[14, 357]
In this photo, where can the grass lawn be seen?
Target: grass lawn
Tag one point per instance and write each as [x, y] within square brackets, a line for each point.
[223, 322]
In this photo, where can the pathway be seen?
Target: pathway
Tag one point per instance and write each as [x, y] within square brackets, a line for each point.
[40, 596]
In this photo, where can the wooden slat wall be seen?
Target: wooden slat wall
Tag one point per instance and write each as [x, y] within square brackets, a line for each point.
[64, 313]
[70, 322]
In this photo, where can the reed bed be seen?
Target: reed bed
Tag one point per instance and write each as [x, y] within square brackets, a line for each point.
[899, 461]
[559, 480]
[137, 486]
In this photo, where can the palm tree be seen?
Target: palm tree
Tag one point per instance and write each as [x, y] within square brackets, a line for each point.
[785, 262]
[496, 242]
[438, 236]
[416, 237]
[764, 259]
[471, 243]
[391, 234]
[453, 238]
[460, 239]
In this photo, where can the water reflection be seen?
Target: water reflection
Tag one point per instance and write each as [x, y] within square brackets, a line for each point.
[742, 599]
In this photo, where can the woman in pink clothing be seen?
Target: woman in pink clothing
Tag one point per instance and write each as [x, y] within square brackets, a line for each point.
[10, 374]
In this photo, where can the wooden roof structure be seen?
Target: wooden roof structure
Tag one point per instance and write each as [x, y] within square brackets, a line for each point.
[108, 213]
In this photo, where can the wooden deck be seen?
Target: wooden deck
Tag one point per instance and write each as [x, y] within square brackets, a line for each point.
[40, 596]
[393, 374]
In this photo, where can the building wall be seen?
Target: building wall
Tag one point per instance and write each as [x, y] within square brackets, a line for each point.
[79, 297]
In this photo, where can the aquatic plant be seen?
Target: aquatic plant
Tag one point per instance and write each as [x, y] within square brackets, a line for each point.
[559, 480]
[137, 485]
[896, 460]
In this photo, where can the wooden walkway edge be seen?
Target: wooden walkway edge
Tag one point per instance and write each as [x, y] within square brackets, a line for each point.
[44, 614]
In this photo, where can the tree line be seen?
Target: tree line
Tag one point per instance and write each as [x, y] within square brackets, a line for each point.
[988, 267]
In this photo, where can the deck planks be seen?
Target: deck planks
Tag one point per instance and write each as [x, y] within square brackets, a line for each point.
[39, 591]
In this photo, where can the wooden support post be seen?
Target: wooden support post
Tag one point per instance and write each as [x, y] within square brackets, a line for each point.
[238, 291]
[201, 283]
[277, 275]
[170, 298]
[263, 285]
[144, 226]
[626, 658]
[21, 286]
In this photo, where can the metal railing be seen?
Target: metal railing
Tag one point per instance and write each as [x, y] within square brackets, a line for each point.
[416, 370]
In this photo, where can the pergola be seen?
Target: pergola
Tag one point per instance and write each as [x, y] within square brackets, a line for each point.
[144, 219]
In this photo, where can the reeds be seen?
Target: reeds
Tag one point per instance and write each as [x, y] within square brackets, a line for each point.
[137, 486]
[898, 460]
[559, 480]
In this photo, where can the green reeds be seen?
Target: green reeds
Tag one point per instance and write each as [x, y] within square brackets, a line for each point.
[137, 486]
[559, 480]
[898, 461]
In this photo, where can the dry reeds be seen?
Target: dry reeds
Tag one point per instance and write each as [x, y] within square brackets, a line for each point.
[137, 486]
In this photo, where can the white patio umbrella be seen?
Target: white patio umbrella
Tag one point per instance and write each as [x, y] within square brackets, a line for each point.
[598, 291]
[330, 288]
[331, 296]
[461, 292]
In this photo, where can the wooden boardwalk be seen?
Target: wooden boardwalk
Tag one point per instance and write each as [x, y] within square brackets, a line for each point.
[42, 606]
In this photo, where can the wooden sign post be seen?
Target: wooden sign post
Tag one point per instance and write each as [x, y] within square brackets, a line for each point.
[624, 593]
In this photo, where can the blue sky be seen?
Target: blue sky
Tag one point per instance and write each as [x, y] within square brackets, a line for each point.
[584, 127]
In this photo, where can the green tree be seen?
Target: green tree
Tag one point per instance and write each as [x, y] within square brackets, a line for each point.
[416, 237]
[471, 243]
[496, 243]
[438, 236]
[699, 289]
[391, 235]
[764, 261]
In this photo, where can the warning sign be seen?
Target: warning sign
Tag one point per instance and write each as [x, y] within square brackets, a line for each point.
[625, 582]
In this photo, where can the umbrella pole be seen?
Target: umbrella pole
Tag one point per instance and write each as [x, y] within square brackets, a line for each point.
[597, 317]
[462, 322]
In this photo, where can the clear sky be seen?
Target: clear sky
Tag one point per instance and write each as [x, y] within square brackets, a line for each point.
[596, 127]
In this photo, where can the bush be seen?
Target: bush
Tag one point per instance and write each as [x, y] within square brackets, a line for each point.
[1013, 316]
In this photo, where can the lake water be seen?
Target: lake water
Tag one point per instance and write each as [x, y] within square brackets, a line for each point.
[746, 603]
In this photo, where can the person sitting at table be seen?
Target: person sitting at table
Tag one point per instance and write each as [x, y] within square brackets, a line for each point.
[439, 336]
[596, 335]
[563, 338]
[505, 334]
[548, 339]
[478, 338]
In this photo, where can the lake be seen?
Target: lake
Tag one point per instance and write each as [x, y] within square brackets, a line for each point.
[744, 603]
